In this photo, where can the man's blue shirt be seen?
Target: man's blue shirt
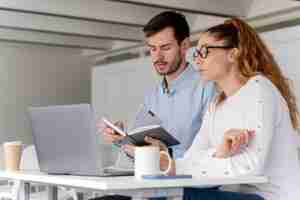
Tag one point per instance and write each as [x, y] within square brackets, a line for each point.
[181, 109]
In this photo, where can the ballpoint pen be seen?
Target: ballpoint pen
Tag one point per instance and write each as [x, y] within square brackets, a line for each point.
[151, 113]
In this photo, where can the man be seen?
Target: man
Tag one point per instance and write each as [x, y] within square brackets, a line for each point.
[181, 99]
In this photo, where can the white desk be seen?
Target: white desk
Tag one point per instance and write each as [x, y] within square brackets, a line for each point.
[138, 189]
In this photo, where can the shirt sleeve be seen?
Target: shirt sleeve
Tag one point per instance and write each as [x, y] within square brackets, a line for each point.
[262, 112]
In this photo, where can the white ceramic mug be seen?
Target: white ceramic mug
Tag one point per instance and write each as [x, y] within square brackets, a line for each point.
[147, 161]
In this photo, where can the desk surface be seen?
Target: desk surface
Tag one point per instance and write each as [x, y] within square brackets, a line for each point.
[125, 183]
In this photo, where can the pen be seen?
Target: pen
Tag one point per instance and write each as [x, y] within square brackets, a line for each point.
[151, 113]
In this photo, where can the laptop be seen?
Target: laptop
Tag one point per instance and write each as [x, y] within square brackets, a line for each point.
[66, 141]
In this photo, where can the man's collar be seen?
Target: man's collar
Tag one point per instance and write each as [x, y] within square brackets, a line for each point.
[170, 88]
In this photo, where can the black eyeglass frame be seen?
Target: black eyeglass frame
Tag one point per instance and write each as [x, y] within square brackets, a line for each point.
[198, 52]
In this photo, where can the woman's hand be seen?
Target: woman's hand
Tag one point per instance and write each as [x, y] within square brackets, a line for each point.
[233, 141]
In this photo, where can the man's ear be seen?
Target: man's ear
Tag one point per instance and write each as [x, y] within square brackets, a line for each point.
[233, 54]
[185, 44]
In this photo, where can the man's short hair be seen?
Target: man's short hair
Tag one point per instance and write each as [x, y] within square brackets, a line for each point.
[167, 19]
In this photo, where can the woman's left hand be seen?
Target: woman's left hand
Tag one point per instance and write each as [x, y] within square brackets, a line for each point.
[232, 142]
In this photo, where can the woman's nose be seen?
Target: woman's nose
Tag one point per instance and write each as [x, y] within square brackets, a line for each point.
[198, 60]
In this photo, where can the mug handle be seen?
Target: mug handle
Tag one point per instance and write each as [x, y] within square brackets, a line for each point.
[165, 172]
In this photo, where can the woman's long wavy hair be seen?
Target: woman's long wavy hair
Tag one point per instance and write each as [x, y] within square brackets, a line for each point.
[255, 58]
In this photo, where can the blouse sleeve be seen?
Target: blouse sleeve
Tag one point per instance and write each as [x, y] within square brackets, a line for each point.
[200, 144]
[262, 114]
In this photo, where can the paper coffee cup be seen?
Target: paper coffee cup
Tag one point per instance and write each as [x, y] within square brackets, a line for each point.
[12, 155]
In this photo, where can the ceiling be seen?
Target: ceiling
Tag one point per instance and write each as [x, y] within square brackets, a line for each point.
[104, 27]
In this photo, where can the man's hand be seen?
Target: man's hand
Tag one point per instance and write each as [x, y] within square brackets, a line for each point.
[110, 136]
[155, 142]
[233, 141]
[129, 148]
[164, 163]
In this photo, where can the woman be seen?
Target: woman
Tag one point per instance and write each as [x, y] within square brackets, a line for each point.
[254, 97]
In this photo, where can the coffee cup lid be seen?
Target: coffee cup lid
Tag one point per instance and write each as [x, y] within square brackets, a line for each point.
[13, 143]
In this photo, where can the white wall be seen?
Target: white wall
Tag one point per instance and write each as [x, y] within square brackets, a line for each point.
[37, 75]
[118, 89]
[285, 45]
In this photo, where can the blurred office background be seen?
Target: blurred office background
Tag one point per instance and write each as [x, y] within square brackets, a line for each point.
[69, 52]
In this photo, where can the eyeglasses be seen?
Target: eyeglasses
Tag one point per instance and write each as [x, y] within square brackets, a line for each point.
[204, 50]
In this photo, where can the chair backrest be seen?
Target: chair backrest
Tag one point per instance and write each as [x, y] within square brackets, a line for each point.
[29, 160]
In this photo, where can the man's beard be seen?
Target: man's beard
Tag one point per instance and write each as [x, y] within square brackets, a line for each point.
[173, 68]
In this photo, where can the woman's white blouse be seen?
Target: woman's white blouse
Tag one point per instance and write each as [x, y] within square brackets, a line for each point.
[272, 152]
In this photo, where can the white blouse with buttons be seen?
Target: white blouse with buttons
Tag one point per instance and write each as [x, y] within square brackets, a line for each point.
[272, 152]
